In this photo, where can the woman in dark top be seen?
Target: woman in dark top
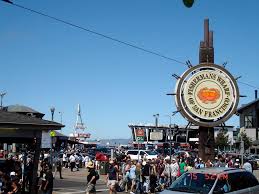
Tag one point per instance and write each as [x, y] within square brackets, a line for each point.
[153, 179]
[47, 181]
[112, 177]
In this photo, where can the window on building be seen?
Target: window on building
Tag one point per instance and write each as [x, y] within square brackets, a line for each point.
[248, 121]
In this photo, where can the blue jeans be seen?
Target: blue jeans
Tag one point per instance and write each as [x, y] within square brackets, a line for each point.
[139, 186]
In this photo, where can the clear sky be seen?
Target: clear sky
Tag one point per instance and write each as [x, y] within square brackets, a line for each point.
[45, 63]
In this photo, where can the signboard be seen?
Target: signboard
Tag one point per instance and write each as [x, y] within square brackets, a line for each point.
[45, 139]
[156, 136]
[139, 139]
[140, 134]
[193, 139]
[207, 95]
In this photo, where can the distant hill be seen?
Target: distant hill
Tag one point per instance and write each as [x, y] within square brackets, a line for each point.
[115, 142]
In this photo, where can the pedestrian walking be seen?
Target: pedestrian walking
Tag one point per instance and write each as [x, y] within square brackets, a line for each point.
[174, 169]
[153, 180]
[91, 178]
[58, 168]
[146, 173]
[72, 161]
[47, 180]
[64, 160]
[112, 177]
[77, 161]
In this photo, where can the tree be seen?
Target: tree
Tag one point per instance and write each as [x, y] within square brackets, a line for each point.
[222, 139]
[247, 140]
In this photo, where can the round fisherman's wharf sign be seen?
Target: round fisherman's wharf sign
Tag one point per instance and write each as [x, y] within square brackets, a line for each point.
[207, 95]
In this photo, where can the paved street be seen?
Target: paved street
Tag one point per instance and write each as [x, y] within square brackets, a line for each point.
[75, 182]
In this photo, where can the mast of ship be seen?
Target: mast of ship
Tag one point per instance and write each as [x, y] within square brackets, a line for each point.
[79, 122]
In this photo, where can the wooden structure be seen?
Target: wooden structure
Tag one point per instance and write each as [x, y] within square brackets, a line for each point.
[20, 128]
[206, 134]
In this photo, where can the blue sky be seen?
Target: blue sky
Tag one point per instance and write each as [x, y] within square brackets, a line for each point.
[45, 63]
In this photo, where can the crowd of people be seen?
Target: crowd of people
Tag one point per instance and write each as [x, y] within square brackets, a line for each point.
[16, 173]
[123, 174]
[150, 176]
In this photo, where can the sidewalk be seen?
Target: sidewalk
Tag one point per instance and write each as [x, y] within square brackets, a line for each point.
[75, 182]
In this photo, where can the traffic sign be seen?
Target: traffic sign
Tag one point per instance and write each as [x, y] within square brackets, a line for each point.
[52, 133]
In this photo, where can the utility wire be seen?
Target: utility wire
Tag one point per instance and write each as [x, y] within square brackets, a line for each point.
[107, 37]
[96, 33]
[250, 85]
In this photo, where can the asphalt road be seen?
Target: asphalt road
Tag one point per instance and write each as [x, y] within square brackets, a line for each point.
[75, 183]
[75, 186]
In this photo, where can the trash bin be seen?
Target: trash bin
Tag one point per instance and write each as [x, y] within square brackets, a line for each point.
[103, 167]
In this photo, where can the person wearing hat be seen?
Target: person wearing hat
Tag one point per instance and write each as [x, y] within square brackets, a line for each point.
[91, 178]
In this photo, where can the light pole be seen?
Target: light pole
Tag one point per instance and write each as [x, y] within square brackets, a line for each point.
[61, 118]
[156, 120]
[170, 133]
[2, 94]
[52, 110]
[61, 114]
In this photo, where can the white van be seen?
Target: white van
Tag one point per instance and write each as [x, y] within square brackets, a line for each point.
[138, 154]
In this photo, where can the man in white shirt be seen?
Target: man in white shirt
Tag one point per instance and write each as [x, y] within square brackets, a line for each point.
[174, 169]
[64, 160]
[72, 161]
[86, 160]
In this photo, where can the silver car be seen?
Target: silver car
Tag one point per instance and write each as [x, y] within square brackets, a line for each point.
[215, 181]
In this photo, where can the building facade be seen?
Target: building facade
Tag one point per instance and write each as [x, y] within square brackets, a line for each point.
[249, 122]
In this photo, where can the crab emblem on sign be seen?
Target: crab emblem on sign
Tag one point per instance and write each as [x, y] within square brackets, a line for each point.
[209, 95]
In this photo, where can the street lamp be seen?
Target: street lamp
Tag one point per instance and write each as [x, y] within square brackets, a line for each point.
[61, 118]
[61, 114]
[52, 110]
[2, 94]
[170, 133]
[156, 120]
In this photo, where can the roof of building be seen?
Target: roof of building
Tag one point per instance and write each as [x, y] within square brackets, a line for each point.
[20, 108]
[23, 110]
[245, 106]
[11, 118]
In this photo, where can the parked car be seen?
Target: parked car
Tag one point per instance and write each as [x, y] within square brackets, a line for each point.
[182, 153]
[215, 181]
[138, 154]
